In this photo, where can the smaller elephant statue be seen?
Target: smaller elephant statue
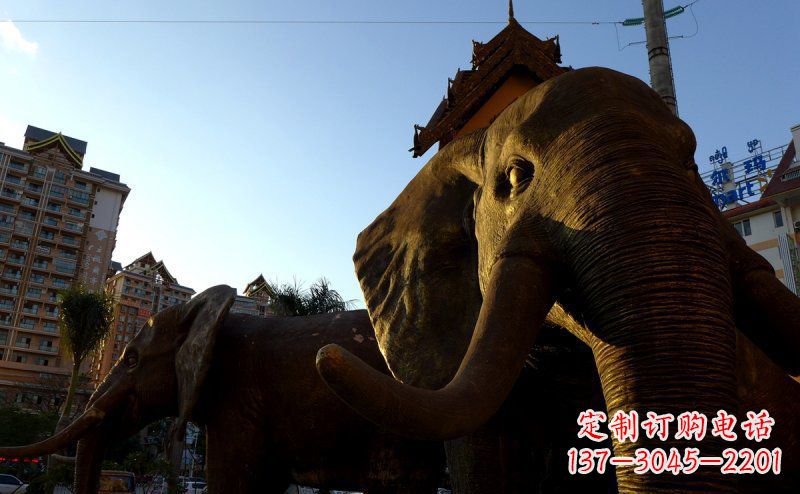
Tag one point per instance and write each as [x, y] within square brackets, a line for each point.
[251, 382]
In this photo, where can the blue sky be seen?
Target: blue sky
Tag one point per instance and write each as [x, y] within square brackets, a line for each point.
[267, 148]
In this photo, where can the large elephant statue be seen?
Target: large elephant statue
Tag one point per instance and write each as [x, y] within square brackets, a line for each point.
[581, 205]
[251, 381]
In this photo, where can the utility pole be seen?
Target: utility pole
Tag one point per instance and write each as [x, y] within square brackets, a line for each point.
[661, 78]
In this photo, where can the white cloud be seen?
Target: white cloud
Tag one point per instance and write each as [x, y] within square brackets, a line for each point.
[11, 132]
[14, 41]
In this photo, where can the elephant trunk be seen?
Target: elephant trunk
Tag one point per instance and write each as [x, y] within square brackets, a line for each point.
[93, 415]
[655, 284]
[516, 303]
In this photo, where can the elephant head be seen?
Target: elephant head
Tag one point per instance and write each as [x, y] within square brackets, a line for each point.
[159, 374]
[581, 203]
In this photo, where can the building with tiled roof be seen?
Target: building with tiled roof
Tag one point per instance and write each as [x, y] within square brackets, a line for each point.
[58, 225]
[140, 289]
[771, 225]
[256, 300]
[503, 69]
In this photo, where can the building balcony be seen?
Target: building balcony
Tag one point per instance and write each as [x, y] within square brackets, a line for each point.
[36, 278]
[10, 193]
[60, 284]
[47, 236]
[4, 238]
[13, 179]
[16, 260]
[50, 221]
[13, 275]
[69, 241]
[68, 255]
[23, 343]
[40, 265]
[23, 229]
[6, 224]
[79, 198]
[6, 208]
[29, 201]
[6, 305]
[30, 310]
[9, 291]
[34, 188]
[20, 167]
[16, 244]
[42, 249]
[65, 270]
[48, 349]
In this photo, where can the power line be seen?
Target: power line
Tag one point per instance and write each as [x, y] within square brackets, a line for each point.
[284, 21]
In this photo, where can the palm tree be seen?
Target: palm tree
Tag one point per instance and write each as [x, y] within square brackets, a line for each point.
[320, 298]
[84, 321]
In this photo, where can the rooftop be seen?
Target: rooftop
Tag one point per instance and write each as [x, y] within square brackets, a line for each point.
[787, 175]
[512, 50]
[39, 134]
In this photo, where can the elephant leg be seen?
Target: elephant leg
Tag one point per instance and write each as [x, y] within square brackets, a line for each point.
[478, 462]
[236, 462]
[765, 308]
[763, 385]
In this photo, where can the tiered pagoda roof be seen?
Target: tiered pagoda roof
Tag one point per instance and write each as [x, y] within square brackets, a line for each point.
[259, 288]
[147, 265]
[513, 49]
[38, 139]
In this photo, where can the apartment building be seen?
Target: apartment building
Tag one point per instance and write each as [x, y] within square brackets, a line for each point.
[140, 289]
[58, 226]
[256, 298]
[771, 225]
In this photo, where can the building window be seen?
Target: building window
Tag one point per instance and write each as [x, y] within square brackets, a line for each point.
[743, 227]
[21, 359]
[777, 217]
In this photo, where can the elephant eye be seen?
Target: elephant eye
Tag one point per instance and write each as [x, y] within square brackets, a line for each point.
[519, 174]
[131, 358]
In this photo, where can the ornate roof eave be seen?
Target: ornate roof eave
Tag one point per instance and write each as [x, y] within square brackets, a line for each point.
[57, 138]
[470, 102]
[258, 285]
[145, 257]
[492, 62]
[253, 284]
[514, 34]
[161, 269]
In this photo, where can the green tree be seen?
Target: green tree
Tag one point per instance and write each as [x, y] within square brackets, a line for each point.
[84, 320]
[320, 298]
[24, 427]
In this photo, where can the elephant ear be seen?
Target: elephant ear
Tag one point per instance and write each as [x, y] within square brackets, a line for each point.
[417, 265]
[201, 319]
